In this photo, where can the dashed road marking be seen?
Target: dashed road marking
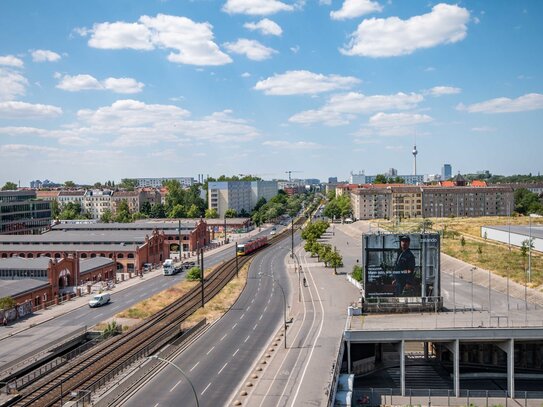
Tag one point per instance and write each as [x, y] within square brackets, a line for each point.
[210, 350]
[207, 387]
[172, 389]
[222, 368]
[194, 367]
[246, 339]
[235, 352]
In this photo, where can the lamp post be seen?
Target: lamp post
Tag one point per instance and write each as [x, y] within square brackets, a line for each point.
[299, 268]
[180, 371]
[284, 304]
[473, 268]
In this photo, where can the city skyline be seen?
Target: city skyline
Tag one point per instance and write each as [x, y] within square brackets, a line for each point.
[102, 91]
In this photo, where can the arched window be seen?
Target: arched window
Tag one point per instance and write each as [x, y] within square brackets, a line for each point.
[130, 255]
[83, 255]
[93, 255]
[120, 256]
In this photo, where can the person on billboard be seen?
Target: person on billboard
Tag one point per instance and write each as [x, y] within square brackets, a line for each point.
[404, 267]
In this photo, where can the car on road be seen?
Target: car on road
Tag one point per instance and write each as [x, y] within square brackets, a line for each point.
[99, 299]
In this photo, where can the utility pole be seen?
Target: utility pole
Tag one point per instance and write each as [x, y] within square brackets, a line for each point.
[225, 229]
[237, 266]
[202, 274]
[292, 237]
[180, 244]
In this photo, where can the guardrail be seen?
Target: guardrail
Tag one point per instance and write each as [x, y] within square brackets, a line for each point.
[442, 397]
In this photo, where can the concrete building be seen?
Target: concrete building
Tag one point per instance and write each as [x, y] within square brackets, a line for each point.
[132, 198]
[22, 213]
[158, 182]
[96, 202]
[371, 203]
[332, 180]
[359, 178]
[239, 195]
[446, 172]
[406, 202]
[74, 197]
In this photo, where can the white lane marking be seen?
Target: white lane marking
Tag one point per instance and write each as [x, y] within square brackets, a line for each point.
[242, 316]
[235, 353]
[253, 301]
[260, 317]
[118, 306]
[254, 327]
[233, 326]
[172, 389]
[248, 308]
[222, 368]
[207, 387]
[156, 405]
[246, 339]
[265, 308]
[224, 336]
[194, 367]
[98, 315]
[210, 350]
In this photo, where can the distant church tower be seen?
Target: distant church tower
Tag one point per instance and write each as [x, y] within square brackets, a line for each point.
[415, 152]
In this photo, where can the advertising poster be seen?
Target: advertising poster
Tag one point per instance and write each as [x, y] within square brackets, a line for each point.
[401, 265]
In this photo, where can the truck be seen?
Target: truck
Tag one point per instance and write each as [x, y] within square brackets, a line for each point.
[168, 267]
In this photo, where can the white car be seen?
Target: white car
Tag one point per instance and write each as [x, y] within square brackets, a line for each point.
[99, 300]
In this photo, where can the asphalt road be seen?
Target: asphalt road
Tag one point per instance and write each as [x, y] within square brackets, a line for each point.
[51, 331]
[222, 357]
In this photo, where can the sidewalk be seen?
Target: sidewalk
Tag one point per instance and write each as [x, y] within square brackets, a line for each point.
[39, 317]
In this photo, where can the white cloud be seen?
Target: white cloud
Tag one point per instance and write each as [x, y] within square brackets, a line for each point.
[192, 43]
[392, 36]
[443, 90]
[265, 26]
[292, 145]
[42, 55]
[382, 120]
[342, 109]
[483, 129]
[22, 150]
[252, 49]
[13, 110]
[295, 49]
[10, 60]
[245, 75]
[12, 84]
[304, 82]
[123, 85]
[530, 101]
[256, 7]
[355, 8]
[87, 82]
[393, 124]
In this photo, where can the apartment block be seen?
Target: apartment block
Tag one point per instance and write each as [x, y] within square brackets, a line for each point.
[96, 202]
[239, 195]
[158, 182]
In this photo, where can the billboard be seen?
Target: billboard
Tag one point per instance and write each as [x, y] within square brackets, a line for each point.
[401, 265]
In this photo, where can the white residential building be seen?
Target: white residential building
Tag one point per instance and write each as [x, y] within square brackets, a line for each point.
[239, 195]
[158, 182]
[96, 202]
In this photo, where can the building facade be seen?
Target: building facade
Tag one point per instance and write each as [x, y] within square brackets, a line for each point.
[446, 172]
[158, 182]
[22, 213]
[224, 195]
[97, 202]
[132, 198]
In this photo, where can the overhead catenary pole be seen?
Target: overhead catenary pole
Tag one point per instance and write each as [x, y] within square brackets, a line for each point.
[237, 266]
[225, 228]
[180, 244]
[292, 237]
[202, 274]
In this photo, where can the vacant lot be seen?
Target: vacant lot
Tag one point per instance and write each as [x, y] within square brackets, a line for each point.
[483, 253]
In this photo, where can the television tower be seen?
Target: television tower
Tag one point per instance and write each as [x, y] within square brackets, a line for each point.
[415, 152]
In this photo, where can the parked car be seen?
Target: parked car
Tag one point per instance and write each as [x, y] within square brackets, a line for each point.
[99, 299]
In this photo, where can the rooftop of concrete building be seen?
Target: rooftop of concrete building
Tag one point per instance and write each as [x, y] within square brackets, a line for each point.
[15, 287]
[80, 236]
[20, 263]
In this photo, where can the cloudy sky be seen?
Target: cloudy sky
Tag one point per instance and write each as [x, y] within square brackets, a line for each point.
[103, 90]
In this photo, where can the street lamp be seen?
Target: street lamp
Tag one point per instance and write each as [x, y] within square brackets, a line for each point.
[473, 268]
[284, 304]
[180, 371]
[299, 268]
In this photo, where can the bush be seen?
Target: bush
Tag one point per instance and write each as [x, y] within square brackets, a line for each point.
[7, 303]
[357, 273]
[193, 274]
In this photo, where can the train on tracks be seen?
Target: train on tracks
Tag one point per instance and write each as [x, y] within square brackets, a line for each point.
[251, 245]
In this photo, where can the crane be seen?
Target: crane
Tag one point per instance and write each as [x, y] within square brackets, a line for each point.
[290, 172]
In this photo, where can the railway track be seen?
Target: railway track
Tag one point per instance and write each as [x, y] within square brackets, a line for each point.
[101, 363]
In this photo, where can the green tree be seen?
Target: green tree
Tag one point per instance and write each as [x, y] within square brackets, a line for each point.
[357, 273]
[9, 186]
[193, 274]
[463, 242]
[259, 204]
[71, 210]
[69, 184]
[128, 184]
[55, 209]
[107, 216]
[230, 213]
[527, 202]
[157, 211]
[7, 303]
[138, 215]
[123, 212]
[211, 214]
[112, 329]
[380, 179]
[97, 185]
[177, 211]
[146, 208]
[334, 259]
[194, 211]
[243, 213]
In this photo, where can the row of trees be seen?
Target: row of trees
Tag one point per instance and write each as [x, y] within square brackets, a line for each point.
[280, 204]
[383, 179]
[330, 256]
[337, 207]
[527, 202]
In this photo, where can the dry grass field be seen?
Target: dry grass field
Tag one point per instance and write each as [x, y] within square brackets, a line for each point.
[213, 310]
[477, 250]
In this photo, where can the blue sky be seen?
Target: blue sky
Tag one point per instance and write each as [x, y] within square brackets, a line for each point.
[103, 90]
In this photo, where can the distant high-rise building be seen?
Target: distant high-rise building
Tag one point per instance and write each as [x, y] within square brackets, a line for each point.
[359, 178]
[415, 152]
[446, 172]
[332, 180]
[392, 172]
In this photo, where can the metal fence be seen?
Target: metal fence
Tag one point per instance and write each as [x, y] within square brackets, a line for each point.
[444, 397]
